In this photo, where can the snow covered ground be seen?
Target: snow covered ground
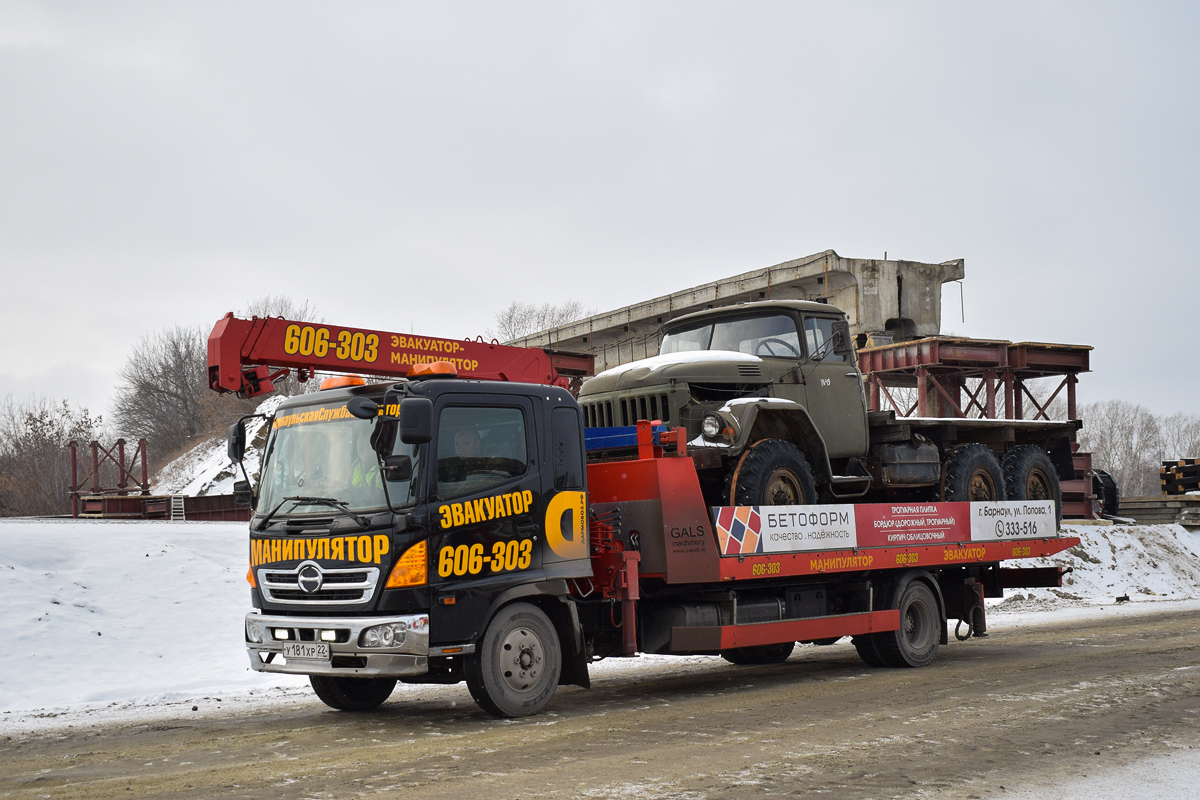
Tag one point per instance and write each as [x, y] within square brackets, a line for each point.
[104, 620]
[206, 469]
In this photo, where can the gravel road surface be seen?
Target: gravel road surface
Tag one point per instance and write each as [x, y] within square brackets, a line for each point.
[1026, 707]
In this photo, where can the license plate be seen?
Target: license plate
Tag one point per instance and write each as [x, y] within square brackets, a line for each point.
[306, 651]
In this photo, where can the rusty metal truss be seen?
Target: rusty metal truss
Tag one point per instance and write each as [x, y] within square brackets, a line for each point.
[939, 368]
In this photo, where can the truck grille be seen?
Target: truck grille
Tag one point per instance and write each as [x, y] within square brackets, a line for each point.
[355, 585]
[627, 410]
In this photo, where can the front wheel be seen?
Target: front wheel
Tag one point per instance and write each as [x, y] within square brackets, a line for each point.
[352, 694]
[772, 472]
[515, 670]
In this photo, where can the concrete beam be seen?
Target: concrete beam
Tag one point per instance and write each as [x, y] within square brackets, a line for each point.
[886, 300]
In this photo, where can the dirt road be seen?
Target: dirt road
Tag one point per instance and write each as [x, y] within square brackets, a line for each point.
[988, 715]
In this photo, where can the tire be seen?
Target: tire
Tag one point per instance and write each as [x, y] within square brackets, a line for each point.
[759, 654]
[352, 694]
[1104, 487]
[972, 473]
[1030, 475]
[771, 472]
[516, 667]
[864, 644]
[916, 643]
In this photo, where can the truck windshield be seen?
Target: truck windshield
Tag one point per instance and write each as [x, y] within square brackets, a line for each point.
[773, 335]
[321, 451]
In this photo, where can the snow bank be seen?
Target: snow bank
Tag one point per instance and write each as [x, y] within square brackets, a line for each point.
[206, 468]
[1143, 562]
[104, 611]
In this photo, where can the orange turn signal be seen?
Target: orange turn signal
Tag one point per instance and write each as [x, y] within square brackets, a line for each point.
[250, 578]
[343, 380]
[434, 368]
[412, 568]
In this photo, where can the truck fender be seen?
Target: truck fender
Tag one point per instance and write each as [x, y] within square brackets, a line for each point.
[553, 597]
[792, 424]
[891, 594]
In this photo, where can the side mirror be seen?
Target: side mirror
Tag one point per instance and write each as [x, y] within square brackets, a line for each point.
[841, 337]
[237, 441]
[362, 407]
[416, 420]
[242, 495]
[397, 468]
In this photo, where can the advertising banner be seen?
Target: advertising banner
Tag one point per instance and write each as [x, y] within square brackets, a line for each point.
[1012, 519]
[746, 530]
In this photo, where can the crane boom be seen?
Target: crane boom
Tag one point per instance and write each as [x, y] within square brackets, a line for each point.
[241, 353]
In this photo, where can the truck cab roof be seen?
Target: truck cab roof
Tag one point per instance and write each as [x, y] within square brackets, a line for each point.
[741, 309]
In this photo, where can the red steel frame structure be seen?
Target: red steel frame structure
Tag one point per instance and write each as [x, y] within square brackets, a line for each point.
[101, 455]
[939, 367]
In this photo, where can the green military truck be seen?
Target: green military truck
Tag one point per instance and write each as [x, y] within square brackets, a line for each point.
[774, 405]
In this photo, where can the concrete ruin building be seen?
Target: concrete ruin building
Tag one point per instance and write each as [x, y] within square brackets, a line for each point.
[886, 300]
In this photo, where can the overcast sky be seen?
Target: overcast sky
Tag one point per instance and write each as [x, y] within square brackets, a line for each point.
[418, 166]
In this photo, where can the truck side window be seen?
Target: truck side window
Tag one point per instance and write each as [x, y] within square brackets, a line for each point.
[478, 447]
[818, 333]
[567, 457]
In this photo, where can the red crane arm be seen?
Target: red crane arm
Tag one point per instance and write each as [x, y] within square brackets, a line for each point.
[240, 352]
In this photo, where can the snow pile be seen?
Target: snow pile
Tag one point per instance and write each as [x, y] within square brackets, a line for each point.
[206, 468]
[1143, 562]
[103, 611]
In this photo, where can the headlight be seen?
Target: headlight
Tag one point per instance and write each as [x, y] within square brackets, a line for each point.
[711, 426]
[390, 635]
[253, 634]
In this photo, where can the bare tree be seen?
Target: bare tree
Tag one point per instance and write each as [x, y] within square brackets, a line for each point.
[1181, 436]
[35, 461]
[1126, 440]
[521, 319]
[162, 390]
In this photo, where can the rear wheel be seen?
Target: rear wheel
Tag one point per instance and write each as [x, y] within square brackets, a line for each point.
[771, 473]
[973, 474]
[515, 670]
[916, 643]
[759, 654]
[1105, 488]
[864, 644]
[1030, 475]
[352, 694]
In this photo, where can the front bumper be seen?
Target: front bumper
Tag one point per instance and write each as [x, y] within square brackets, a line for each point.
[348, 658]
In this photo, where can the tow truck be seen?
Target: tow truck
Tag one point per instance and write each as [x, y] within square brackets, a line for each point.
[455, 520]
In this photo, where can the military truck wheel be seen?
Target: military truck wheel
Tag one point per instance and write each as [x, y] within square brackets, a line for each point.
[972, 473]
[352, 694]
[916, 643]
[759, 654]
[864, 644]
[1030, 475]
[771, 472]
[515, 669]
